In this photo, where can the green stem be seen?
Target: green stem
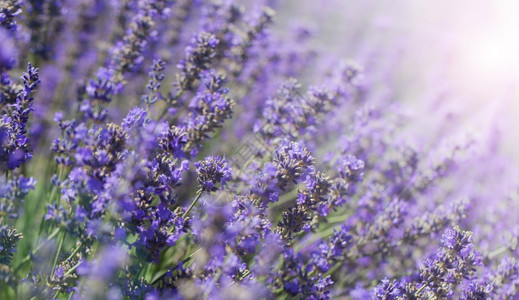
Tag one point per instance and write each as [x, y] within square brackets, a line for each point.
[74, 252]
[315, 237]
[53, 193]
[72, 269]
[60, 245]
[198, 194]
[216, 278]
[143, 271]
[338, 219]
[285, 198]
[28, 257]
[497, 252]
[244, 275]
[192, 204]
[183, 262]
[178, 95]
[419, 290]
[333, 269]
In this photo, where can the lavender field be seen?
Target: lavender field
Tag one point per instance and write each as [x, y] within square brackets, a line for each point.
[240, 149]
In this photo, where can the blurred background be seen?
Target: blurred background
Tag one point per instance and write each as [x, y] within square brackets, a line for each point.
[452, 62]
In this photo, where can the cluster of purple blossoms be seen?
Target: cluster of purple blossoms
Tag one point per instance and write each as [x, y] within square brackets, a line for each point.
[212, 173]
[16, 105]
[185, 150]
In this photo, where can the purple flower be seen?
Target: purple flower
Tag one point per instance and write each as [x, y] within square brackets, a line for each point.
[174, 141]
[477, 291]
[15, 148]
[388, 290]
[9, 12]
[9, 238]
[213, 173]
[8, 52]
[135, 118]
[156, 77]
[292, 287]
[292, 162]
[198, 56]
[209, 109]
[58, 273]
[103, 87]
[334, 190]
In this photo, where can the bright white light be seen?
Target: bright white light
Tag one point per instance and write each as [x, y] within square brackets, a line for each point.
[485, 67]
[489, 59]
[485, 55]
[492, 57]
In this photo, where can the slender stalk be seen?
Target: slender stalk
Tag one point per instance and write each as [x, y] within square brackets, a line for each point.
[420, 290]
[60, 245]
[315, 237]
[73, 268]
[244, 275]
[285, 198]
[54, 193]
[27, 258]
[215, 279]
[183, 262]
[333, 269]
[497, 252]
[199, 193]
[74, 252]
[165, 111]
